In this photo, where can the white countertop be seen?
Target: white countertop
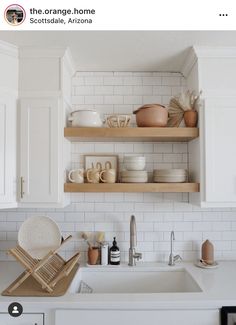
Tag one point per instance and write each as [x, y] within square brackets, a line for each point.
[218, 285]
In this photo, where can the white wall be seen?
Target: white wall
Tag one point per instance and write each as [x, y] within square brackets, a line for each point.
[157, 213]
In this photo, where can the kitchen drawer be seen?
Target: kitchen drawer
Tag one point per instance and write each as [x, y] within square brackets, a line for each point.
[138, 317]
[24, 319]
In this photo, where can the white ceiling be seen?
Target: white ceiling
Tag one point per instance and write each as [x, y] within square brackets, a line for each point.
[124, 51]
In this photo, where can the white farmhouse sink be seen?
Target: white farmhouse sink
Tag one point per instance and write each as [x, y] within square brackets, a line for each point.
[133, 280]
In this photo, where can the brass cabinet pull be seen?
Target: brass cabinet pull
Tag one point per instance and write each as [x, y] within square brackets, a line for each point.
[22, 187]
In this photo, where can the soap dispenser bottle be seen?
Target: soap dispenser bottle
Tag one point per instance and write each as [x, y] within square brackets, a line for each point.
[114, 253]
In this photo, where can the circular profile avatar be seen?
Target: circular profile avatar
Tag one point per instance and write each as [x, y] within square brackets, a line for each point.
[14, 15]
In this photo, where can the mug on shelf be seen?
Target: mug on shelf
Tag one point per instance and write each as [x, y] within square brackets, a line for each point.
[76, 175]
[93, 174]
[108, 175]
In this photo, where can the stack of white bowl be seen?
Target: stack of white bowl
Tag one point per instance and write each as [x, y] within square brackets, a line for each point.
[134, 172]
[170, 175]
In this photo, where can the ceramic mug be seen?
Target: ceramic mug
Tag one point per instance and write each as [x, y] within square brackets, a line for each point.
[76, 175]
[108, 175]
[93, 175]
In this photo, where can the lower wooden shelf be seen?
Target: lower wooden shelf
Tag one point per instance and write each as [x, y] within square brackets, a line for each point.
[132, 187]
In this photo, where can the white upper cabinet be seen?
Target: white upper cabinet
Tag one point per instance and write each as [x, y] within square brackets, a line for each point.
[8, 102]
[220, 151]
[44, 153]
[212, 157]
[39, 150]
[7, 152]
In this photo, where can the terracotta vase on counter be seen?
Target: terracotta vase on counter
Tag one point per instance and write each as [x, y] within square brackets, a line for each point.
[208, 252]
[93, 254]
[190, 118]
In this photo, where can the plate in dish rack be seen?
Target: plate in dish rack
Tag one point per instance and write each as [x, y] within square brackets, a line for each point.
[38, 235]
[215, 265]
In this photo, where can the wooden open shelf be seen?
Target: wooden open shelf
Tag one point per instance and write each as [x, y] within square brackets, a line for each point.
[134, 134]
[132, 187]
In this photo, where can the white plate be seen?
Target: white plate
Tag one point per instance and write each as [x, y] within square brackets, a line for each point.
[169, 180]
[134, 180]
[170, 172]
[38, 235]
[203, 266]
[134, 173]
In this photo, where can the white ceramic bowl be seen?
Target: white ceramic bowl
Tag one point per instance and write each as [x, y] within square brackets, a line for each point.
[134, 162]
[85, 118]
[134, 173]
[134, 158]
[139, 166]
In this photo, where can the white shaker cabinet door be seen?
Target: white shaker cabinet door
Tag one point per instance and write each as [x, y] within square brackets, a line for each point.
[220, 151]
[39, 151]
[24, 319]
[7, 152]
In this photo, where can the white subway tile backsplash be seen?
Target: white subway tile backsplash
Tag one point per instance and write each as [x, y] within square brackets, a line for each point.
[144, 207]
[84, 90]
[113, 81]
[123, 90]
[123, 109]
[116, 99]
[3, 236]
[103, 90]
[163, 226]
[8, 226]
[221, 226]
[94, 100]
[162, 90]
[102, 226]
[171, 81]
[163, 147]
[133, 197]
[132, 80]
[211, 235]
[152, 81]
[135, 100]
[124, 147]
[157, 214]
[94, 80]
[142, 90]
[123, 207]
[202, 226]
[193, 235]
[76, 100]
[74, 217]
[104, 207]
[143, 148]
[172, 157]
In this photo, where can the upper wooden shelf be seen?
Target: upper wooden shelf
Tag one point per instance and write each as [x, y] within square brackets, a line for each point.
[131, 134]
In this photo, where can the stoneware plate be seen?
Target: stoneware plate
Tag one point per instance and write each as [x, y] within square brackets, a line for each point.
[38, 235]
[203, 266]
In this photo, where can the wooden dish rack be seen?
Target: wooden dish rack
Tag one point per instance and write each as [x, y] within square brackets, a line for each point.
[47, 271]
